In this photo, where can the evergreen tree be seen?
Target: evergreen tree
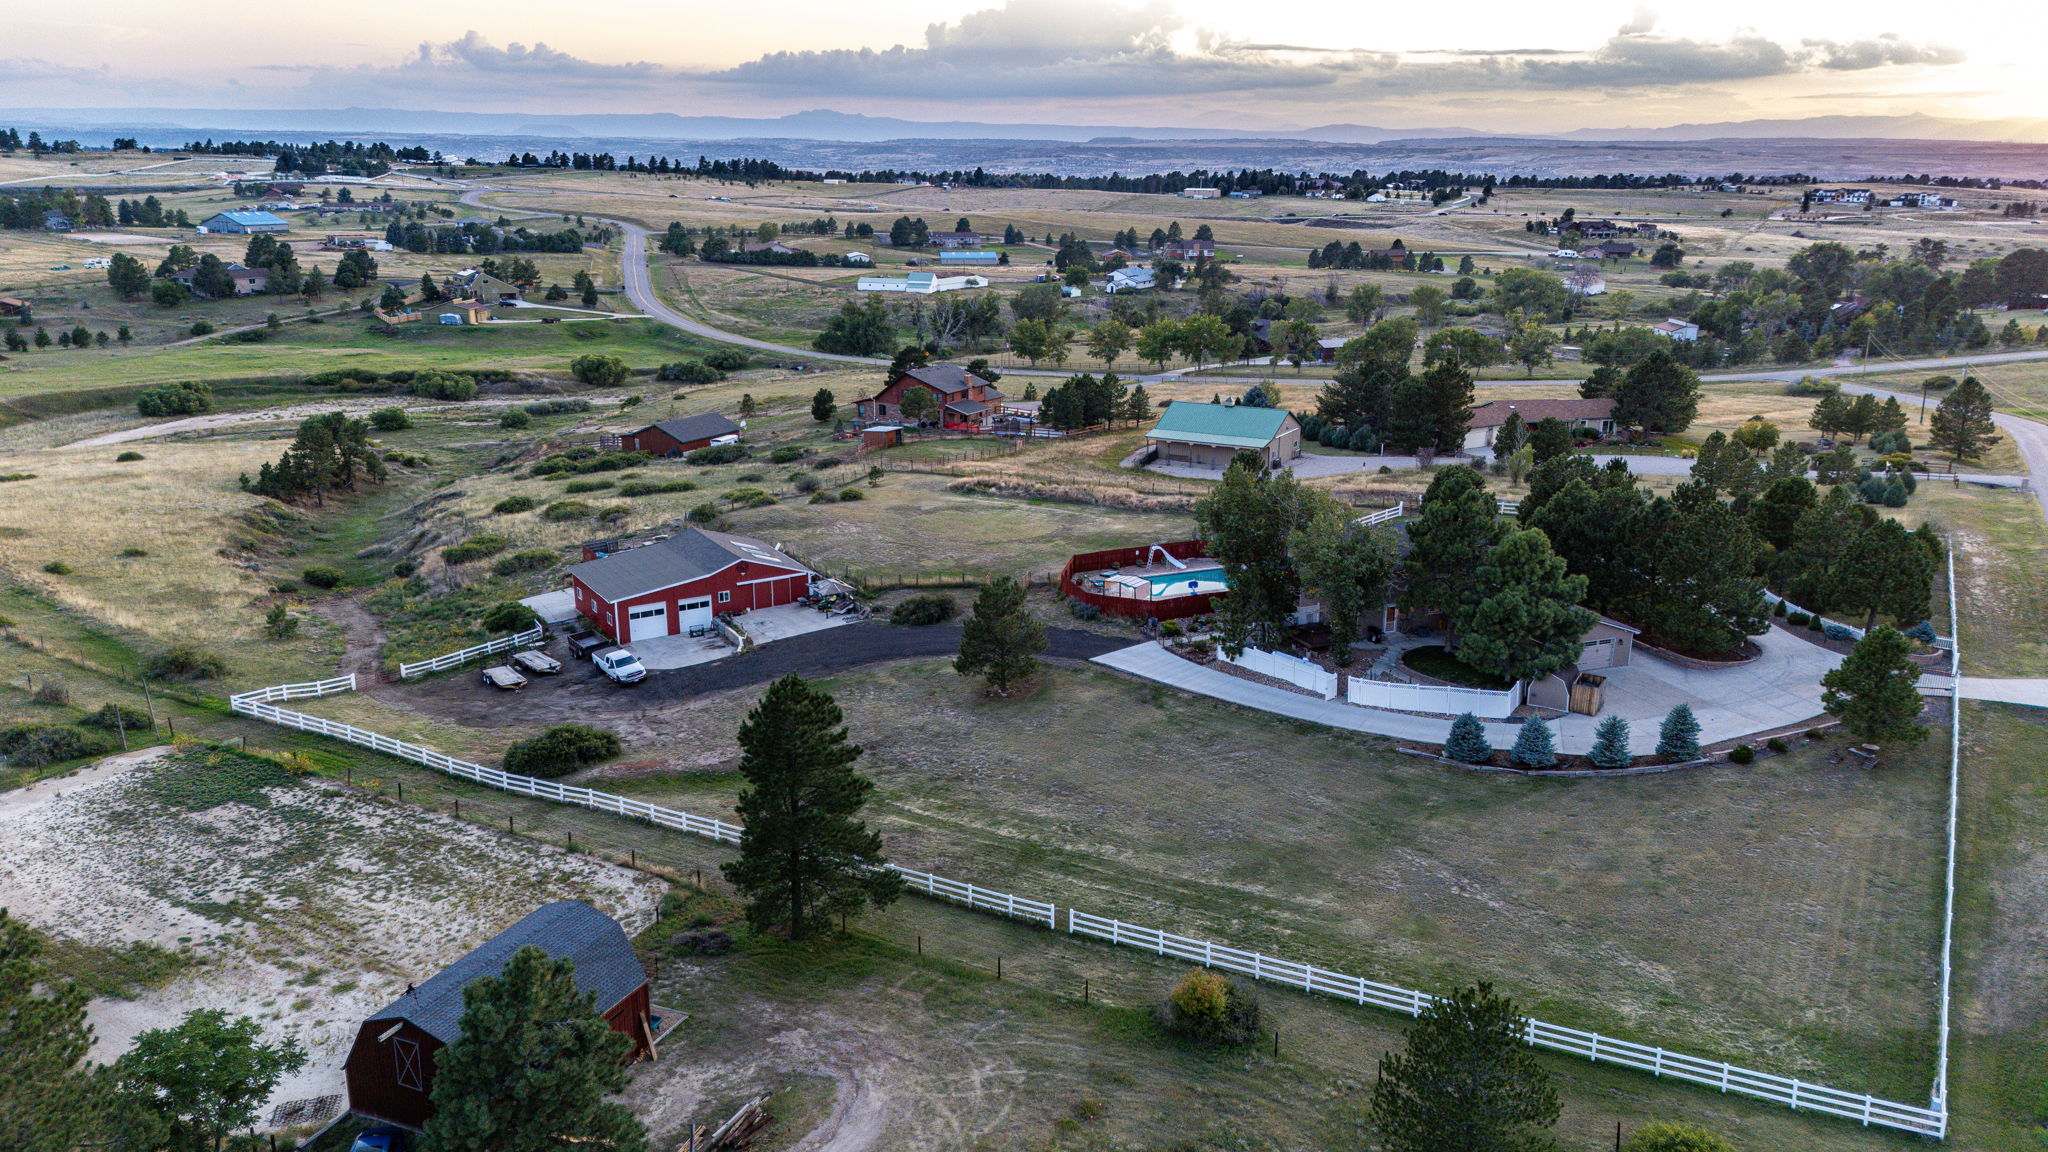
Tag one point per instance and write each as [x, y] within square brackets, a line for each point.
[1549, 438]
[532, 1068]
[804, 855]
[1467, 742]
[1610, 744]
[1535, 747]
[127, 276]
[1466, 1081]
[1678, 737]
[1888, 572]
[822, 405]
[1658, 394]
[1459, 525]
[1526, 622]
[1000, 641]
[1875, 692]
[1962, 425]
[52, 1099]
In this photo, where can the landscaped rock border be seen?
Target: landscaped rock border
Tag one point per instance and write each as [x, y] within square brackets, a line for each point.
[1750, 654]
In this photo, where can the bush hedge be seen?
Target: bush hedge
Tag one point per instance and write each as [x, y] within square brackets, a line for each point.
[922, 610]
[561, 750]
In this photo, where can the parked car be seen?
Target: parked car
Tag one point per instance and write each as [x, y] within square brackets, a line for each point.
[502, 676]
[386, 1139]
[620, 665]
[586, 643]
[538, 663]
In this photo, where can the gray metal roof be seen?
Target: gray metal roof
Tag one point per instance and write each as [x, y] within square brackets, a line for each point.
[688, 555]
[571, 930]
[703, 426]
[944, 377]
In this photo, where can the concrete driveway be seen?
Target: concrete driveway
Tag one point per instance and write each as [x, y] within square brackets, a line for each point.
[767, 625]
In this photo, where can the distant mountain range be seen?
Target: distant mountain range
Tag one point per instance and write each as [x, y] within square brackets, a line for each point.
[850, 127]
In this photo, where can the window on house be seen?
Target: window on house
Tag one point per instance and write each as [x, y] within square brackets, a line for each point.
[724, 597]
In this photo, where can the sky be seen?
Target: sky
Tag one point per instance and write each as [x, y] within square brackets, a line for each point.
[1483, 64]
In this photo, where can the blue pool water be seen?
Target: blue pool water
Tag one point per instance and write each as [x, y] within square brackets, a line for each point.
[1202, 577]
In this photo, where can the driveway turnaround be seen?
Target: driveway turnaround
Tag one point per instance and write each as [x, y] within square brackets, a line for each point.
[1779, 689]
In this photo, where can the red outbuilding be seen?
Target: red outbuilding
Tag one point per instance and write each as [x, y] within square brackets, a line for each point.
[390, 1069]
[676, 586]
[683, 434]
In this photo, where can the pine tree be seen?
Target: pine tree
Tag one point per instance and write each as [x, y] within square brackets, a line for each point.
[803, 854]
[1526, 622]
[1534, 745]
[1466, 1081]
[1875, 692]
[1467, 743]
[1459, 525]
[51, 1097]
[1962, 425]
[1678, 737]
[1000, 641]
[1610, 744]
[532, 1068]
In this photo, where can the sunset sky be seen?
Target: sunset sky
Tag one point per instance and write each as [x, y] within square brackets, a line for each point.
[1206, 63]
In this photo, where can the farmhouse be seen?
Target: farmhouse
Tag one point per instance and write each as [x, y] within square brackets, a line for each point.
[1684, 330]
[481, 285]
[675, 587]
[1595, 416]
[1189, 249]
[961, 396]
[9, 306]
[1208, 435]
[390, 1070]
[1130, 280]
[919, 283]
[775, 247]
[352, 241]
[683, 434]
[955, 239]
[243, 222]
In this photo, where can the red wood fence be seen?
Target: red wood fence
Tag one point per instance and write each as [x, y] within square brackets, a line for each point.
[1174, 608]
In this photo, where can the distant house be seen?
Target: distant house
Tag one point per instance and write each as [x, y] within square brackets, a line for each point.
[1209, 435]
[1130, 280]
[54, 221]
[354, 241]
[390, 1069]
[284, 191]
[919, 283]
[1647, 228]
[1246, 194]
[955, 258]
[677, 586]
[477, 284]
[1595, 229]
[1724, 186]
[1189, 250]
[859, 258]
[9, 306]
[1596, 416]
[683, 434]
[962, 397]
[775, 246]
[955, 239]
[249, 281]
[243, 222]
[1844, 311]
[1684, 330]
[1326, 349]
[1201, 193]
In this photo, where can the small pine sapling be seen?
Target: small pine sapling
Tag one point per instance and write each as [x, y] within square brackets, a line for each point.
[1468, 741]
[1610, 744]
[1534, 745]
[1678, 738]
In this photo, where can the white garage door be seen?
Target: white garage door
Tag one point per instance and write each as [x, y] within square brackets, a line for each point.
[694, 615]
[647, 623]
[1597, 654]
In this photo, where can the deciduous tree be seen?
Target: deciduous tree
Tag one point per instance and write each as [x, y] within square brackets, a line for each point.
[206, 1076]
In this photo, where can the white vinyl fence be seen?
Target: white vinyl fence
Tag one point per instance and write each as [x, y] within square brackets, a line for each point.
[1383, 515]
[1440, 699]
[1793, 1093]
[1293, 669]
[501, 644]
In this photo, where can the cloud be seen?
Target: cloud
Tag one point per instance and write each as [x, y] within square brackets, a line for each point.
[1888, 49]
[27, 69]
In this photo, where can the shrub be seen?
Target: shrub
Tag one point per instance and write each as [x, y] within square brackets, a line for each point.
[116, 718]
[443, 386]
[576, 486]
[556, 407]
[511, 504]
[201, 328]
[474, 548]
[185, 662]
[562, 510]
[824, 463]
[718, 454]
[1171, 628]
[704, 941]
[561, 750]
[1834, 631]
[285, 587]
[1797, 619]
[738, 496]
[655, 487]
[1816, 734]
[390, 420]
[1210, 1008]
[53, 693]
[127, 457]
[323, 577]
[1467, 742]
[402, 569]
[530, 560]
[37, 745]
[689, 372]
[1778, 609]
[1610, 744]
[510, 616]
[1676, 1138]
[57, 568]
[704, 514]
[852, 494]
[824, 498]
[921, 610]
[133, 553]
[183, 399]
[787, 453]
[806, 482]
[1535, 747]
[726, 359]
[600, 370]
[1082, 611]
[514, 418]
[1741, 754]
[1678, 738]
[1777, 744]
[279, 623]
[1923, 632]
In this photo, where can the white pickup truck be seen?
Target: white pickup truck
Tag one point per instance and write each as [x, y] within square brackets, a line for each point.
[620, 665]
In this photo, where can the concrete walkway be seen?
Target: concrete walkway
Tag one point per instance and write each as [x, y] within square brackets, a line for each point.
[1779, 689]
[1999, 690]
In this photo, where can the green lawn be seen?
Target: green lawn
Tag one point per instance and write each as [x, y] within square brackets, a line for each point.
[1435, 660]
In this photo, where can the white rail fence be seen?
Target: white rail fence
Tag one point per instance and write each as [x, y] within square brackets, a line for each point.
[1383, 515]
[1939, 1101]
[1292, 669]
[501, 644]
[1444, 700]
[1791, 1092]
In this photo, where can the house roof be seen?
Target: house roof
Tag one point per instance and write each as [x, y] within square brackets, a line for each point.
[1672, 326]
[967, 407]
[1224, 425]
[1495, 413]
[571, 930]
[688, 555]
[703, 426]
[249, 219]
[947, 378]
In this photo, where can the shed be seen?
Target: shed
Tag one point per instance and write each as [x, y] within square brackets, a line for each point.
[683, 434]
[1208, 435]
[876, 436]
[244, 222]
[390, 1068]
[677, 586]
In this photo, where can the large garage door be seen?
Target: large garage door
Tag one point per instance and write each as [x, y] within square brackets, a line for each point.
[695, 615]
[1597, 654]
[647, 623]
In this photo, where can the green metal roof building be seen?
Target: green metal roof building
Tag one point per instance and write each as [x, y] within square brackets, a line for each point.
[1208, 435]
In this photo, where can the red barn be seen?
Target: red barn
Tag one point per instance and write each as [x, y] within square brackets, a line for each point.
[390, 1069]
[675, 586]
[684, 434]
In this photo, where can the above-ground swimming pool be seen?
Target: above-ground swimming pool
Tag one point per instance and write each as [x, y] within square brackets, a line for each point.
[1192, 582]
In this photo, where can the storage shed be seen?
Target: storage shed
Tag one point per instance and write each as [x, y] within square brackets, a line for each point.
[683, 434]
[390, 1069]
[675, 587]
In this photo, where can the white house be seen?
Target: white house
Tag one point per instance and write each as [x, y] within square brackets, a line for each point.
[859, 258]
[919, 283]
[1130, 280]
[1201, 193]
[1684, 330]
